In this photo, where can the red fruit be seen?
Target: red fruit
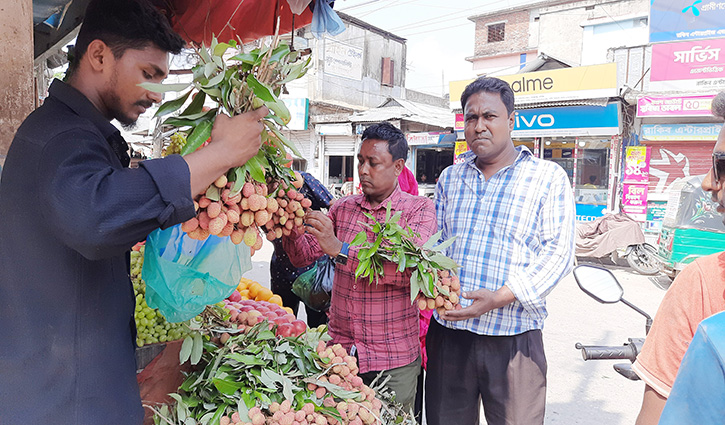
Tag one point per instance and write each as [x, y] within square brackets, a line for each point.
[306, 203]
[236, 296]
[285, 329]
[299, 327]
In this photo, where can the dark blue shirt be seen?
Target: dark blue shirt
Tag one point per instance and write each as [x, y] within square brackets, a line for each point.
[70, 212]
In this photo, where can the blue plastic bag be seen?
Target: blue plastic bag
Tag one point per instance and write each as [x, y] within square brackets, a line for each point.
[325, 20]
[184, 275]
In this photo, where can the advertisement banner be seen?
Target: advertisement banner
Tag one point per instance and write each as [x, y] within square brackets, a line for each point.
[343, 60]
[636, 165]
[679, 20]
[680, 132]
[567, 121]
[582, 82]
[674, 106]
[634, 200]
[459, 124]
[460, 149]
[689, 65]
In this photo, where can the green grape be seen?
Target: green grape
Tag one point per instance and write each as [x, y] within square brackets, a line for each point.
[178, 140]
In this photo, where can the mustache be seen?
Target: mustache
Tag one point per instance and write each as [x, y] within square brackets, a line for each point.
[145, 103]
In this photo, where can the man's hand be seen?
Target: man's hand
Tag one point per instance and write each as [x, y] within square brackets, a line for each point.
[240, 134]
[320, 226]
[483, 302]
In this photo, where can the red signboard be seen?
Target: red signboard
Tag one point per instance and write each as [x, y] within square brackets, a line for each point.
[671, 162]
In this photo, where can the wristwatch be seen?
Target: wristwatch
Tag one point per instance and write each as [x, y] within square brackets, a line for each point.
[342, 256]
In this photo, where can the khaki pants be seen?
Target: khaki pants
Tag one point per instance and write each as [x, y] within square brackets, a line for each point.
[403, 380]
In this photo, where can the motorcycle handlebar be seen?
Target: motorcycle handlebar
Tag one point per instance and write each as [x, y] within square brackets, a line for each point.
[599, 352]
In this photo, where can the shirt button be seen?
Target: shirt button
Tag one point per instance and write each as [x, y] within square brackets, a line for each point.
[354, 286]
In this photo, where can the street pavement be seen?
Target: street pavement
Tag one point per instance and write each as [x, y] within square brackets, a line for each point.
[579, 392]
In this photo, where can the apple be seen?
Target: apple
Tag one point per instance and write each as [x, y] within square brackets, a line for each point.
[235, 297]
[285, 329]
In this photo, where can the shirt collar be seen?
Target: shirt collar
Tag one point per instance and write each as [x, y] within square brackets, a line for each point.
[394, 198]
[80, 104]
[523, 152]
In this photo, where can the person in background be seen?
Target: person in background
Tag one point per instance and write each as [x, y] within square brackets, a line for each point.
[374, 321]
[282, 272]
[513, 218]
[696, 293]
[407, 182]
[71, 211]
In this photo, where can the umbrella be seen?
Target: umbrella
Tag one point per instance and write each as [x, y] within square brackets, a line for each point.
[199, 20]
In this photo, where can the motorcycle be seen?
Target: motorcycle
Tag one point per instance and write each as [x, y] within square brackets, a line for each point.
[600, 284]
[620, 238]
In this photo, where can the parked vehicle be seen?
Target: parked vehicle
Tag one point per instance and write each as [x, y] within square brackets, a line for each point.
[619, 237]
[600, 284]
[691, 228]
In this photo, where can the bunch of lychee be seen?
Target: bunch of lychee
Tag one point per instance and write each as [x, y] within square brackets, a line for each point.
[241, 216]
[446, 283]
[342, 371]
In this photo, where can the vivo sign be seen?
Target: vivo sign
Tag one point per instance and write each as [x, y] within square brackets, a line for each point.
[567, 121]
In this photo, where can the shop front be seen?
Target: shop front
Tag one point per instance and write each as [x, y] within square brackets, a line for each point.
[678, 133]
[339, 146]
[430, 154]
[580, 139]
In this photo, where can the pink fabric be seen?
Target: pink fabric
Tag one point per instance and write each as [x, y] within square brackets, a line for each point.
[424, 321]
[407, 182]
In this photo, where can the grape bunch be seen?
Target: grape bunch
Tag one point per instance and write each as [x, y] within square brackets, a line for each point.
[178, 140]
[151, 326]
[276, 207]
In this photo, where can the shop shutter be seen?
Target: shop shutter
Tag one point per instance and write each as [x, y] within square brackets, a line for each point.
[339, 146]
[671, 161]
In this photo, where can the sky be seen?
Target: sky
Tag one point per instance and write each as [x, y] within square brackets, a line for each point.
[439, 35]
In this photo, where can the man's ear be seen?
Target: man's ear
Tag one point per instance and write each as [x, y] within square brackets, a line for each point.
[98, 55]
[398, 164]
[512, 121]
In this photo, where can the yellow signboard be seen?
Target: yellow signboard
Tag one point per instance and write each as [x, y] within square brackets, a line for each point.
[583, 82]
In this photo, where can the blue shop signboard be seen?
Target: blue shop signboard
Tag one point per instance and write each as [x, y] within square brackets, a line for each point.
[568, 121]
[680, 132]
[587, 212]
[680, 20]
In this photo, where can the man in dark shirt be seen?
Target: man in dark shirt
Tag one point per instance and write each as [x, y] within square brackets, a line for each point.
[282, 272]
[71, 209]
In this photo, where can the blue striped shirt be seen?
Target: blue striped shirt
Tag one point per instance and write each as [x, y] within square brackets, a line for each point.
[515, 229]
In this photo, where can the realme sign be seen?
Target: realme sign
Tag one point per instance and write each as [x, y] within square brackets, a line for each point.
[584, 82]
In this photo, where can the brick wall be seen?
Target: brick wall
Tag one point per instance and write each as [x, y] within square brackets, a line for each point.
[515, 40]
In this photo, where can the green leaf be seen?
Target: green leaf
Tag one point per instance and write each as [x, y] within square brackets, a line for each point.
[255, 169]
[213, 193]
[246, 359]
[414, 286]
[197, 349]
[248, 58]
[204, 54]
[220, 49]
[185, 352]
[201, 133]
[283, 139]
[280, 52]
[432, 240]
[185, 122]
[212, 91]
[172, 105]
[260, 90]
[364, 254]
[443, 262]
[280, 110]
[265, 335]
[215, 80]
[243, 411]
[196, 105]
[401, 260]
[388, 208]
[396, 218]
[359, 238]
[163, 88]
[336, 390]
[226, 386]
[445, 244]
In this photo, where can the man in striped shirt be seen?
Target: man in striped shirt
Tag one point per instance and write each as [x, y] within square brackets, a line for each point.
[513, 218]
[375, 322]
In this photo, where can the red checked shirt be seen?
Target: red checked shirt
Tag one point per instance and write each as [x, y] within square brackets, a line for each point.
[379, 320]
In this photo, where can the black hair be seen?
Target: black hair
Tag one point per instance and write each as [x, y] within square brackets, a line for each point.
[122, 25]
[718, 105]
[490, 85]
[397, 145]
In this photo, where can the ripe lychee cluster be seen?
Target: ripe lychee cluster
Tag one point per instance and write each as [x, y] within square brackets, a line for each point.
[241, 216]
[342, 370]
[447, 283]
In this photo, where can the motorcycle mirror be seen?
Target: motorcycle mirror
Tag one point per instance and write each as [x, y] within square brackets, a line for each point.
[598, 283]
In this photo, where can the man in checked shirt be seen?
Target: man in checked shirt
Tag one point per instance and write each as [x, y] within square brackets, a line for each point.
[377, 323]
[513, 218]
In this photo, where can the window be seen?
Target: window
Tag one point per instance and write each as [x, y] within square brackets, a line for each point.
[388, 72]
[589, 8]
[496, 32]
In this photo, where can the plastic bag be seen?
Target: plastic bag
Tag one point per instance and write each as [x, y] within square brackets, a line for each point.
[184, 275]
[315, 285]
[325, 20]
